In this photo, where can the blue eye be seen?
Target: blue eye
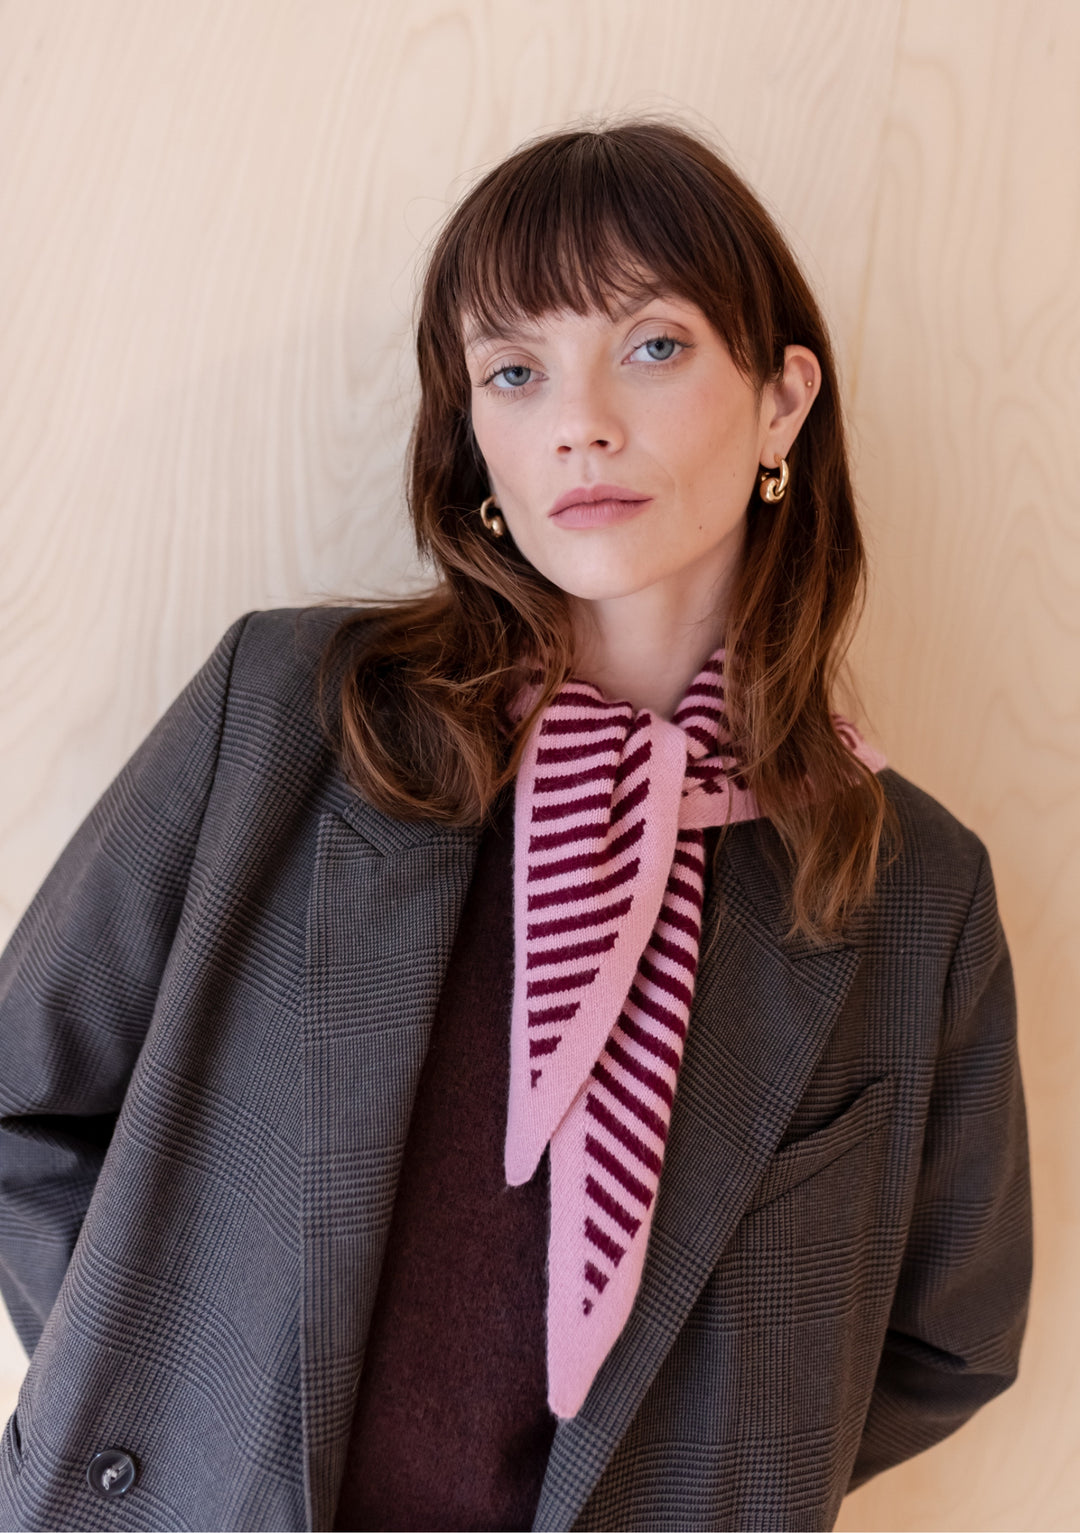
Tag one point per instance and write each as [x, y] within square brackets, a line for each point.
[661, 340]
[504, 372]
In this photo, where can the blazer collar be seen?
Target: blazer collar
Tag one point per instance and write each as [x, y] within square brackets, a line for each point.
[385, 901]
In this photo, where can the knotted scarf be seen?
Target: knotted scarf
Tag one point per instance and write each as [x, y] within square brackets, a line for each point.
[609, 870]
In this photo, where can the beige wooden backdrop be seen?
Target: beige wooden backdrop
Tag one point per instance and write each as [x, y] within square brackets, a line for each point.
[210, 217]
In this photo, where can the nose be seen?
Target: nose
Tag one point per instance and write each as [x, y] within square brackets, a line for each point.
[587, 417]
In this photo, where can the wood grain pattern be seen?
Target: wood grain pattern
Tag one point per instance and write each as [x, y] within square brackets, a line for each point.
[965, 403]
[213, 215]
[213, 220]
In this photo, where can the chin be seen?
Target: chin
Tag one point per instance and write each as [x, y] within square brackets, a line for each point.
[598, 584]
[597, 590]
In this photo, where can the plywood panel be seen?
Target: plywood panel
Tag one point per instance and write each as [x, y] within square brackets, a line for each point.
[966, 401]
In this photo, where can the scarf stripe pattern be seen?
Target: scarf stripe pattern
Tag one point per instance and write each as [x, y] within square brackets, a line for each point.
[609, 868]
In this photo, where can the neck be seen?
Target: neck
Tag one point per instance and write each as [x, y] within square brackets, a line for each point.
[638, 650]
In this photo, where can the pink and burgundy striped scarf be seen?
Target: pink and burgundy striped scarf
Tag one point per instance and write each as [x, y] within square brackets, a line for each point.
[609, 865]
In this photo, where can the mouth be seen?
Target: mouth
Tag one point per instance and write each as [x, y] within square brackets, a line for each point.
[596, 504]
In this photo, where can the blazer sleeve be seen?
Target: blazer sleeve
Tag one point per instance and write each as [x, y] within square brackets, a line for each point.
[78, 984]
[960, 1306]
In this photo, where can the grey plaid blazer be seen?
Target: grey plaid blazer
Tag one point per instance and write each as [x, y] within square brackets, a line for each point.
[212, 1020]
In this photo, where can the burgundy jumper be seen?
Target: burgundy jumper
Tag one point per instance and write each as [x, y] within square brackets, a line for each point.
[451, 1428]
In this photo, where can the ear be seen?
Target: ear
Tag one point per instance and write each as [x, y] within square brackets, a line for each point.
[785, 404]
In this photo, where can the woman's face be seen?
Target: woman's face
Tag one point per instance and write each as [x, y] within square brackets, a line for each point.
[650, 404]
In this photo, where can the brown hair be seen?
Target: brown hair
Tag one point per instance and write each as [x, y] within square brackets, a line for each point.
[415, 690]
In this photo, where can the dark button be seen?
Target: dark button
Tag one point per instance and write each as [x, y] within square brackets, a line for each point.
[111, 1472]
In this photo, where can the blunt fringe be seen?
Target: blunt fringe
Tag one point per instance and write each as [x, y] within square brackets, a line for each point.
[415, 690]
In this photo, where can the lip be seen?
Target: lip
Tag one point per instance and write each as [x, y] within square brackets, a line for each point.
[591, 505]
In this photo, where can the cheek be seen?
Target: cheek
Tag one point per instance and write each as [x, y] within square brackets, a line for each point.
[705, 440]
[501, 438]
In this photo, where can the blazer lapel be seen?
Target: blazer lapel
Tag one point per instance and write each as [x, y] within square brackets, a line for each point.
[762, 1012]
[385, 902]
[384, 905]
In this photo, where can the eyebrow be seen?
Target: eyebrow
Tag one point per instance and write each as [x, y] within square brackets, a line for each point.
[630, 306]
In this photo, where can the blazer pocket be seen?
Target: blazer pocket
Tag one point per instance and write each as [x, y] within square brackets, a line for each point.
[804, 1158]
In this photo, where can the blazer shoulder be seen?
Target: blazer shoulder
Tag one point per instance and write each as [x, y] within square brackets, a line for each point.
[936, 849]
[275, 660]
[270, 704]
[279, 648]
[277, 744]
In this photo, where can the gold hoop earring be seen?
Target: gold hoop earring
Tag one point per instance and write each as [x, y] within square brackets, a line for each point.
[771, 490]
[493, 524]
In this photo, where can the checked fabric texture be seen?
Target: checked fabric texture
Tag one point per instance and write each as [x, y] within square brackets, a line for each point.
[611, 805]
[213, 1019]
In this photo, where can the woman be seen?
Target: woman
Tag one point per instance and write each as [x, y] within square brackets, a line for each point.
[345, 1181]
